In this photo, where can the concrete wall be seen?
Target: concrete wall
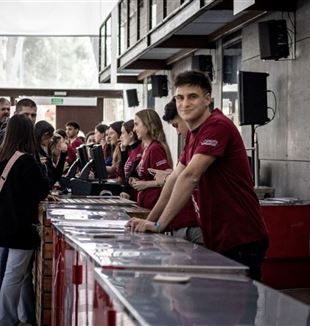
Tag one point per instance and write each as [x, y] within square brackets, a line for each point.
[285, 142]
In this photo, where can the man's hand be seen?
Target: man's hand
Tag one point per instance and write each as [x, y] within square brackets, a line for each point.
[140, 185]
[139, 225]
[124, 195]
[160, 175]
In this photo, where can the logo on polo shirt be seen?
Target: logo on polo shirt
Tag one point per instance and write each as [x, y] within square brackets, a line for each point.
[209, 142]
[159, 163]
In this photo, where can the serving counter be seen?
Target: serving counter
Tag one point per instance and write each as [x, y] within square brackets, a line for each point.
[141, 298]
[104, 275]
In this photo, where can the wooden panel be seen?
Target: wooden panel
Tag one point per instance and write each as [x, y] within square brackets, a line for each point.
[86, 116]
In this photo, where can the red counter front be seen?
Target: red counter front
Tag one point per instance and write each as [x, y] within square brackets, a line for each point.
[287, 262]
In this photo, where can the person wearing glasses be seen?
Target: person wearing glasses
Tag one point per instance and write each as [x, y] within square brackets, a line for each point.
[214, 160]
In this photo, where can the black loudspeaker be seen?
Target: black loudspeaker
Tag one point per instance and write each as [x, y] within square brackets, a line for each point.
[203, 63]
[273, 39]
[252, 87]
[132, 97]
[159, 85]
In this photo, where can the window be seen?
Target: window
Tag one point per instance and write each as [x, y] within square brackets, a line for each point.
[108, 42]
[133, 22]
[153, 13]
[46, 62]
[102, 47]
[231, 64]
[122, 27]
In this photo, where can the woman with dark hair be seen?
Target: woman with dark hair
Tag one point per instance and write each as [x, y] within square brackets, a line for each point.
[101, 137]
[24, 188]
[43, 132]
[131, 152]
[114, 133]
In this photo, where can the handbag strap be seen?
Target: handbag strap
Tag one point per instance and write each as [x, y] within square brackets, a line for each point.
[8, 167]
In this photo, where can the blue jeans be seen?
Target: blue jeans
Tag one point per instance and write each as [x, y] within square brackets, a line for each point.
[3, 259]
[16, 293]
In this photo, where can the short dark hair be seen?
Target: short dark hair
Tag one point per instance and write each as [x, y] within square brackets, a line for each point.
[129, 126]
[117, 126]
[90, 133]
[170, 111]
[102, 128]
[194, 78]
[61, 132]
[25, 102]
[19, 136]
[73, 124]
[3, 100]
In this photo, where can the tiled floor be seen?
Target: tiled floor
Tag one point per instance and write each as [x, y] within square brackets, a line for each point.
[299, 294]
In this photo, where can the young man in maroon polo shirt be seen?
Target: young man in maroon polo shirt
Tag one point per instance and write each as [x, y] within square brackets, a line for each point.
[214, 160]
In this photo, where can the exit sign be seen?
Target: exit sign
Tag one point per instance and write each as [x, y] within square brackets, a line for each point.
[57, 100]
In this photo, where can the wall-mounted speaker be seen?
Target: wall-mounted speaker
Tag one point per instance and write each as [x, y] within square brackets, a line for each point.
[203, 63]
[132, 97]
[273, 39]
[252, 88]
[159, 85]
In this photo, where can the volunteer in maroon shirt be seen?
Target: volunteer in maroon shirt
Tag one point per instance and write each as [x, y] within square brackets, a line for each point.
[215, 160]
[156, 155]
[72, 130]
[184, 225]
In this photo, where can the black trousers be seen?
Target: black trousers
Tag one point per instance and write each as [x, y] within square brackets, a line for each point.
[251, 255]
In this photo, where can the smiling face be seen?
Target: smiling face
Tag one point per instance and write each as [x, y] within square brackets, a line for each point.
[113, 136]
[192, 104]
[139, 128]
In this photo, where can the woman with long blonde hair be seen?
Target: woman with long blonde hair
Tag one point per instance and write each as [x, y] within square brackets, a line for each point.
[156, 155]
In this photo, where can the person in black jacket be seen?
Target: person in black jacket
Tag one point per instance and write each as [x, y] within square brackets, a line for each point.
[43, 132]
[24, 188]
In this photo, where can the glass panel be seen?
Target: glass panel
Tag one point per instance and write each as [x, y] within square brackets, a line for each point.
[153, 13]
[133, 18]
[122, 27]
[150, 99]
[171, 6]
[49, 62]
[108, 42]
[142, 21]
[113, 110]
[102, 48]
[231, 64]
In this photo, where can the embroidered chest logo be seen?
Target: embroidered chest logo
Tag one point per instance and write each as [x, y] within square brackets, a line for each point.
[209, 142]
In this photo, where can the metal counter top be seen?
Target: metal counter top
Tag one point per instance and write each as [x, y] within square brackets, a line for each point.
[200, 301]
[116, 248]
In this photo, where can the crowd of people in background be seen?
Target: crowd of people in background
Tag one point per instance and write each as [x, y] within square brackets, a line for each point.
[195, 199]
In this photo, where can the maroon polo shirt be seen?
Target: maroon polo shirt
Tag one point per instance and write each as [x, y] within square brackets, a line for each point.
[228, 208]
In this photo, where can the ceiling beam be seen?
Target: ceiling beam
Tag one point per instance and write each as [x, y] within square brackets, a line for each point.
[15, 92]
[187, 41]
[128, 80]
[149, 64]
[146, 73]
